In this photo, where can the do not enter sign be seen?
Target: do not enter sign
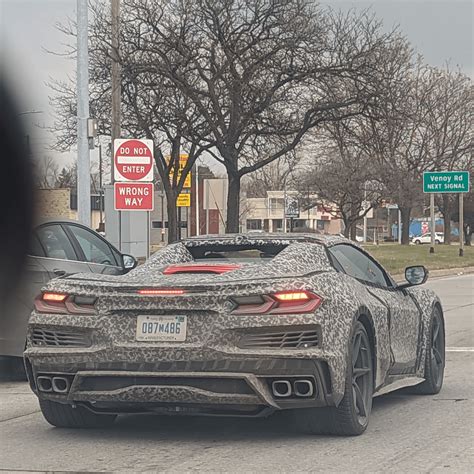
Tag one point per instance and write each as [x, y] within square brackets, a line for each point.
[133, 160]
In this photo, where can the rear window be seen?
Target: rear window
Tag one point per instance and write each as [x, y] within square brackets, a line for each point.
[235, 253]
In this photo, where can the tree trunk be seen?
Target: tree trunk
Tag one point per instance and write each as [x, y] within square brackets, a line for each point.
[405, 212]
[446, 211]
[233, 204]
[172, 217]
[353, 230]
[347, 227]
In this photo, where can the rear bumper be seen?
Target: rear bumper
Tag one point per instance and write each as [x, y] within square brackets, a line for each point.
[197, 387]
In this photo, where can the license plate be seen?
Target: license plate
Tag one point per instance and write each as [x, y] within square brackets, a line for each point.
[161, 328]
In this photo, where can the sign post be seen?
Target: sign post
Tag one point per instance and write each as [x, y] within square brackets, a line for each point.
[433, 222]
[447, 182]
[133, 174]
[461, 225]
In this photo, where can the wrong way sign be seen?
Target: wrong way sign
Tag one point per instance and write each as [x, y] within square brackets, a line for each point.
[133, 196]
[133, 160]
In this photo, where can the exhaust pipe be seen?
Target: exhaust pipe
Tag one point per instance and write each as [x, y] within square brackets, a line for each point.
[281, 388]
[60, 384]
[303, 388]
[44, 383]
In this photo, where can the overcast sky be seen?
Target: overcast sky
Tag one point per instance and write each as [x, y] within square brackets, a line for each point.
[441, 30]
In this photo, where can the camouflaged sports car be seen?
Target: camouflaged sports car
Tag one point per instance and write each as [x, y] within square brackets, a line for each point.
[236, 325]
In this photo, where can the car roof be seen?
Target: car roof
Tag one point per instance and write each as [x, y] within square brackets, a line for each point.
[47, 220]
[241, 238]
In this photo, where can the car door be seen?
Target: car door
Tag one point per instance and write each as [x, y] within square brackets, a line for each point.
[60, 257]
[403, 315]
[100, 256]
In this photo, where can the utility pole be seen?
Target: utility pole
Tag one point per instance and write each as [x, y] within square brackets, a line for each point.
[83, 156]
[116, 92]
[198, 202]
[116, 84]
[101, 189]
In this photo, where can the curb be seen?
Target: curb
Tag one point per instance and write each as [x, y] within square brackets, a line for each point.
[440, 273]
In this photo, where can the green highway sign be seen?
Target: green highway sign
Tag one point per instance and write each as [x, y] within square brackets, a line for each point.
[446, 182]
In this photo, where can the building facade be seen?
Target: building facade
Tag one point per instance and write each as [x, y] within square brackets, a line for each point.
[268, 214]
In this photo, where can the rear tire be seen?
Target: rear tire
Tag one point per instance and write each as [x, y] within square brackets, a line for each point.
[65, 416]
[351, 417]
[435, 357]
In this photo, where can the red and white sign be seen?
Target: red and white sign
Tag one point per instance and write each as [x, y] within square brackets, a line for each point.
[133, 160]
[133, 196]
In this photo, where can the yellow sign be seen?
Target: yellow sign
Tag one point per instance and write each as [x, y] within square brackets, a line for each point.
[183, 160]
[184, 200]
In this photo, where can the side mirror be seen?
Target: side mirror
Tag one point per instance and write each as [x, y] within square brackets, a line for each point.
[129, 262]
[416, 275]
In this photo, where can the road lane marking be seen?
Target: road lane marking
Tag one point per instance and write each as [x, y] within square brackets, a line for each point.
[459, 349]
[458, 307]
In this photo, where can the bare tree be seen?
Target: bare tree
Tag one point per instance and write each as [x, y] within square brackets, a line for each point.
[273, 177]
[261, 74]
[450, 120]
[152, 106]
[46, 172]
[341, 176]
[397, 137]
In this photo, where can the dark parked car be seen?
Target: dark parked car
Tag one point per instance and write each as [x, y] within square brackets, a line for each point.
[59, 248]
[241, 325]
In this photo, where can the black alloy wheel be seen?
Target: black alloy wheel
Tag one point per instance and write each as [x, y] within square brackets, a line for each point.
[435, 357]
[437, 349]
[362, 376]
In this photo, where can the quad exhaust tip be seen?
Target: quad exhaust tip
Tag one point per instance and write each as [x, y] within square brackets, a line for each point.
[281, 388]
[60, 384]
[301, 388]
[55, 384]
[45, 384]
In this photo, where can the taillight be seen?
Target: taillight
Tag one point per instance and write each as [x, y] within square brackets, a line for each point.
[60, 303]
[161, 291]
[281, 302]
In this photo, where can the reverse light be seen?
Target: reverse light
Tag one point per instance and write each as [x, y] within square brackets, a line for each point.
[161, 292]
[291, 296]
[281, 302]
[56, 297]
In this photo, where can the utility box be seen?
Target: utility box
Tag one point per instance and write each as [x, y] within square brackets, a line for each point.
[134, 227]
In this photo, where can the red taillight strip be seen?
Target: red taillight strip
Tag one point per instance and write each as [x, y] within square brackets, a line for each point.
[46, 303]
[161, 291]
[192, 268]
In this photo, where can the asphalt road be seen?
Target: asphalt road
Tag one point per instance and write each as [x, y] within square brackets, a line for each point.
[407, 433]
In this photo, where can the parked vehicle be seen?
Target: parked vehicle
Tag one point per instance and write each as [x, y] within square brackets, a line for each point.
[241, 325]
[59, 248]
[426, 238]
